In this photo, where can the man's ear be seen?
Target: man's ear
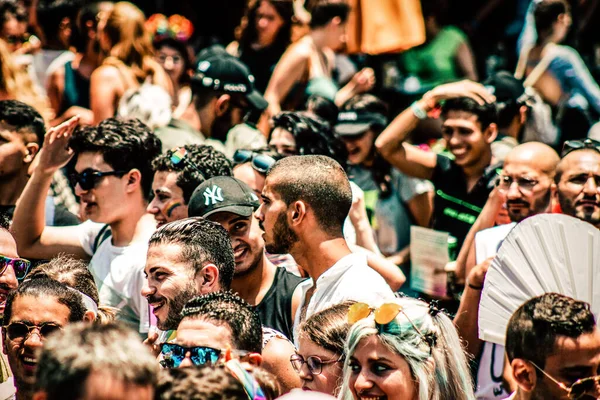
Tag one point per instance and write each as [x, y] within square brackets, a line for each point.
[222, 105]
[255, 359]
[298, 212]
[89, 316]
[524, 374]
[32, 149]
[207, 279]
[490, 133]
[134, 180]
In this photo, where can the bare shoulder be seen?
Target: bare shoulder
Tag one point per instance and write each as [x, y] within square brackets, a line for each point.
[106, 72]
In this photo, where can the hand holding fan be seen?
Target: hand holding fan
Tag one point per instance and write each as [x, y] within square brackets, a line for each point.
[544, 253]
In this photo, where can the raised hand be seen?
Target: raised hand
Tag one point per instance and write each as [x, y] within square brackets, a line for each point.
[466, 88]
[55, 152]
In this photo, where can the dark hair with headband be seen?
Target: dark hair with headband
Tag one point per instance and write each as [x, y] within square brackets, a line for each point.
[200, 162]
[75, 274]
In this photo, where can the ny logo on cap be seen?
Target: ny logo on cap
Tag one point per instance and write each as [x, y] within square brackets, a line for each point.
[213, 195]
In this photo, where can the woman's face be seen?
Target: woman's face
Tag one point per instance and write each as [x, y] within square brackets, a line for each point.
[172, 62]
[336, 33]
[330, 378]
[283, 142]
[376, 372]
[562, 25]
[268, 23]
[360, 147]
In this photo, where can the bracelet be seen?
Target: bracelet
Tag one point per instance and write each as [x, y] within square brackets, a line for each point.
[474, 287]
[418, 111]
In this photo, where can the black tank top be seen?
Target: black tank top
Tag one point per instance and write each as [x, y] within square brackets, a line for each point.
[275, 310]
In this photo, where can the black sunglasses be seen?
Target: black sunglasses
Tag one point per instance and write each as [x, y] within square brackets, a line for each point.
[260, 162]
[89, 178]
[21, 330]
[19, 265]
[15, 39]
[572, 145]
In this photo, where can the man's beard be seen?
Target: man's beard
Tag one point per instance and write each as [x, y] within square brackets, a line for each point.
[176, 305]
[568, 208]
[256, 258]
[540, 205]
[283, 236]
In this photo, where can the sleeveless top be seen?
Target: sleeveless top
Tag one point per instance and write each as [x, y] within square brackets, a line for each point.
[275, 310]
[77, 89]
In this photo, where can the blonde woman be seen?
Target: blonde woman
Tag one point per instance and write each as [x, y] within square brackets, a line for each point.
[16, 84]
[129, 62]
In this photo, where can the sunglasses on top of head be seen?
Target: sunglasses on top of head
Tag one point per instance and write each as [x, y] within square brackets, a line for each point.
[89, 178]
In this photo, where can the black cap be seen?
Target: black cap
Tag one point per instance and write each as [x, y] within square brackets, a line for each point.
[222, 194]
[505, 87]
[352, 123]
[227, 74]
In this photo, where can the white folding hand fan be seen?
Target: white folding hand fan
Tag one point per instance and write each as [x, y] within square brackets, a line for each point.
[544, 253]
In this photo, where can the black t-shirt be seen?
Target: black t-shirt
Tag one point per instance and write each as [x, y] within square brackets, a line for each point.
[275, 310]
[261, 64]
[456, 209]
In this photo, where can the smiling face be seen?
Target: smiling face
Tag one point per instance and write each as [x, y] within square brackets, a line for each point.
[246, 240]
[268, 23]
[170, 283]
[8, 280]
[579, 186]
[168, 203]
[22, 352]
[330, 378]
[378, 373]
[465, 139]
[100, 203]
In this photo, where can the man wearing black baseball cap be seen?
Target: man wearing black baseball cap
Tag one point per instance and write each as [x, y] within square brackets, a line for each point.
[223, 93]
[231, 203]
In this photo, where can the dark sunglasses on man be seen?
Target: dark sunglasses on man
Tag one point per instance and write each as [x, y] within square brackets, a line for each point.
[19, 265]
[89, 178]
[174, 354]
[260, 162]
[572, 145]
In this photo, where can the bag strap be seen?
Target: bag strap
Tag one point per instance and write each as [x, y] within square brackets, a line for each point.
[104, 234]
[538, 70]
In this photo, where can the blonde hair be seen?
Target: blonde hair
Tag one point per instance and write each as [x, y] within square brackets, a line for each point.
[439, 365]
[16, 84]
[131, 44]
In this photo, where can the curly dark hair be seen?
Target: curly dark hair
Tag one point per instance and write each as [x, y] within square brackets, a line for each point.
[533, 329]
[201, 241]
[208, 161]
[312, 134]
[231, 310]
[125, 144]
[23, 118]
[46, 287]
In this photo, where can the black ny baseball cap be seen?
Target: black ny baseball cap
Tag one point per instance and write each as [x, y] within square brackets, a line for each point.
[222, 72]
[353, 123]
[223, 194]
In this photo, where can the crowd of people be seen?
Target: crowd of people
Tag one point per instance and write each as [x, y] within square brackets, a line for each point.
[185, 218]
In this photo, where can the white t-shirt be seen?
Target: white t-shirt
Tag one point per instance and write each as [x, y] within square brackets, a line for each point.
[491, 362]
[119, 274]
[348, 279]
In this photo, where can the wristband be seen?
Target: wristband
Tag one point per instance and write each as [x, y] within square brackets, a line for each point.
[418, 111]
[474, 287]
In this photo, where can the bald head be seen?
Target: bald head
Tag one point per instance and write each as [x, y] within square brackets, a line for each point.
[320, 182]
[535, 154]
